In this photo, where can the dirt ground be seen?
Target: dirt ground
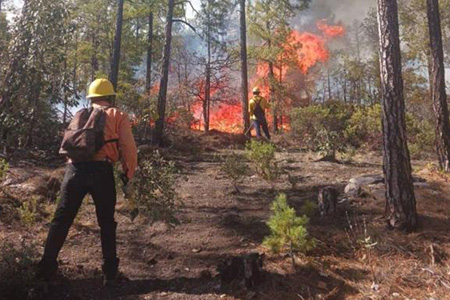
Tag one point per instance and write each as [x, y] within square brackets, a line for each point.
[180, 263]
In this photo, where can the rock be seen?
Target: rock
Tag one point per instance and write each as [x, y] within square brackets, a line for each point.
[352, 189]
[367, 179]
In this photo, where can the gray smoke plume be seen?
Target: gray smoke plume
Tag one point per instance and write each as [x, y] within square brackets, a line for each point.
[345, 11]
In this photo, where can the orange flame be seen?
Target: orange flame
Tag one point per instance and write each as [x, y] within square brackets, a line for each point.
[330, 30]
[305, 48]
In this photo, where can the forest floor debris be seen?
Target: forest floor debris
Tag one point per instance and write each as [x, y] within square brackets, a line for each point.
[181, 263]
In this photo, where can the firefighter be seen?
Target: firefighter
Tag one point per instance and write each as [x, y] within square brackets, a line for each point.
[257, 107]
[94, 176]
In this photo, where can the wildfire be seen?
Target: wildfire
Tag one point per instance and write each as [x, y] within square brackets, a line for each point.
[224, 117]
[330, 30]
[311, 51]
[306, 49]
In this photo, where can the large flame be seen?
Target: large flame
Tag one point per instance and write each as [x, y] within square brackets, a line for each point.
[306, 49]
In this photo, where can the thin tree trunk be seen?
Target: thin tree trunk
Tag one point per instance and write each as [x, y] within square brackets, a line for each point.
[271, 85]
[400, 199]
[244, 74]
[206, 103]
[159, 126]
[438, 93]
[148, 78]
[94, 59]
[35, 94]
[117, 43]
[272, 97]
[329, 82]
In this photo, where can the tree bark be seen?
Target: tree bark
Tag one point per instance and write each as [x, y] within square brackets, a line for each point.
[438, 92]
[159, 126]
[400, 199]
[148, 79]
[117, 42]
[206, 103]
[244, 73]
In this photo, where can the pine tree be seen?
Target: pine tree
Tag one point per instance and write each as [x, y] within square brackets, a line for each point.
[400, 199]
[438, 92]
[212, 24]
[288, 232]
[269, 22]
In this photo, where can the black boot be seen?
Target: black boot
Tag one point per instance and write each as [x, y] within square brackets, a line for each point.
[110, 270]
[46, 268]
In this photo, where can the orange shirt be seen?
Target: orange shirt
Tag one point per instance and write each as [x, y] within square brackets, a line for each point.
[118, 126]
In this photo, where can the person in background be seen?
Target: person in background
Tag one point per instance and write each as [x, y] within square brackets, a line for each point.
[257, 107]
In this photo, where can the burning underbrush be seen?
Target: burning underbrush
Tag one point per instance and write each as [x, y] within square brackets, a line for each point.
[287, 82]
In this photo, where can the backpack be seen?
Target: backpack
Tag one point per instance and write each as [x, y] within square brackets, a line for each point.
[85, 134]
[259, 112]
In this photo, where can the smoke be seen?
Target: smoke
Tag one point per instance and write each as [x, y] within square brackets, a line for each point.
[345, 11]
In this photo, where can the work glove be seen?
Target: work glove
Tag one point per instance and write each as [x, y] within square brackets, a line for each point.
[128, 194]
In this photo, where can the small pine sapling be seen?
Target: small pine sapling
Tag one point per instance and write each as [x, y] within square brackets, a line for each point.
[235, 169]
[288, 231]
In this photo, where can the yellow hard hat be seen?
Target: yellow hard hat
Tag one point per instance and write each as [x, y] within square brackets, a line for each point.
[100, 88]
[256, 90]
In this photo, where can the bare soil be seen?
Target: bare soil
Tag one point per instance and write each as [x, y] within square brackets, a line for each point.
[180, 263]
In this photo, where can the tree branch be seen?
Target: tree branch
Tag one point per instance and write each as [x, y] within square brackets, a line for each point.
[190, 3]
[186, 23]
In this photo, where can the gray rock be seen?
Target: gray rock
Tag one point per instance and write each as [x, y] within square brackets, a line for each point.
[352, 189]
[368, 179]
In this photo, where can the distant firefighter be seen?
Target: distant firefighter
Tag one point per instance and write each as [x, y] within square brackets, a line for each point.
[257, 107]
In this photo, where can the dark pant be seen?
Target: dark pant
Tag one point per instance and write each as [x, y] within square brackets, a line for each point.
[97, 179]
[257, 124]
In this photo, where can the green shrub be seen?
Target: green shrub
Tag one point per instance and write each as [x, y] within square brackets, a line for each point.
[322, 127]
[153, 188]
[28, 212]
[364, 127]
[288, 232]
[421, 136]
[235, 169]
[17, 270]
[262, 156]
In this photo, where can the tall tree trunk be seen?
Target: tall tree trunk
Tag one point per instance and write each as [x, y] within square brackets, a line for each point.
[148, 77]
[329, 82]
[117, 42]
[400, 199]
[94, 59]
[244, 74]
[33, 100]
[159, 126]
[438, 93]
[272, 80]
[207, 102]
[272, 96]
